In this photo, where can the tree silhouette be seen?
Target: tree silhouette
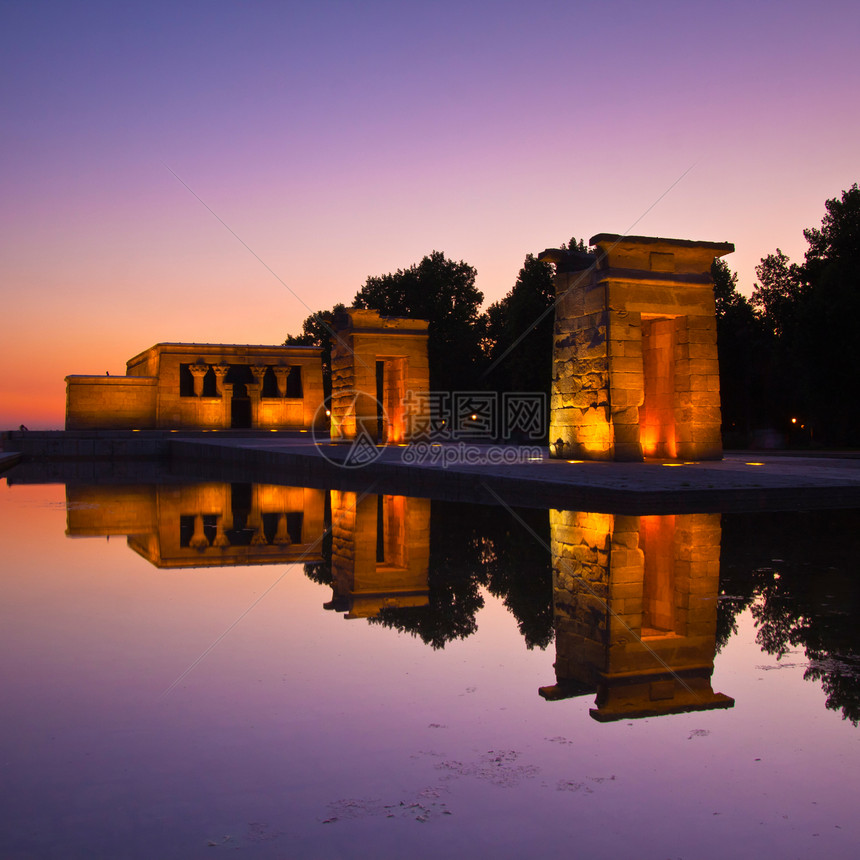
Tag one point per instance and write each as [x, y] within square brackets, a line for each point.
[743, 352]
[444, 292]
[317, 330]
[520, 331]
[809, 311]
[797, 573]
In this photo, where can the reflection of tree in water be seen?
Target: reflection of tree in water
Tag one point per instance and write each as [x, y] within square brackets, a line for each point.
[473, 546]
[520, 573]
[799, 574]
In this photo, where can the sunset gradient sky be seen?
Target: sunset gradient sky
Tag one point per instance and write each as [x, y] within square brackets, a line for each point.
[339, 140]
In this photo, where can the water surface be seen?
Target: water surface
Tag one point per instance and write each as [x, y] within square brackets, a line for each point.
[200, 670]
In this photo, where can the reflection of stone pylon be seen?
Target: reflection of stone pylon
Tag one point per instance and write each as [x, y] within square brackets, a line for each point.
[362, 451]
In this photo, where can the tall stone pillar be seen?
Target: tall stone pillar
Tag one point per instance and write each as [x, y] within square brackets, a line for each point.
[254, 389]
[226, 404]
[635, 369]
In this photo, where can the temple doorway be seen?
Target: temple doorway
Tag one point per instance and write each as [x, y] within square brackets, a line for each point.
[240, 407]
[657, 419]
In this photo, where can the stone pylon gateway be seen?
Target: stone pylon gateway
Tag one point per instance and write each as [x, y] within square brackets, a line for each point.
[635, 368]
[379, 367]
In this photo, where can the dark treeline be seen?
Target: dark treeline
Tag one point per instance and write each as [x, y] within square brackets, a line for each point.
[788, 372]
[788, 367]
[507, 347]
[797, 573]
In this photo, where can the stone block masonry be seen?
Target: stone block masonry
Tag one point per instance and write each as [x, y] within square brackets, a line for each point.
[635, 369]
[635, 611]
[376, 362]
[187, 386]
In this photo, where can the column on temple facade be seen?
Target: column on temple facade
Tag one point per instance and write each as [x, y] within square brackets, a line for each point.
[221, 371]
[259, 372]
[281, 375]
[198, 371]
[226, 404]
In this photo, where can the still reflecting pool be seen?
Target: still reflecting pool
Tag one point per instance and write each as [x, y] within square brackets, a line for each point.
[267, 671]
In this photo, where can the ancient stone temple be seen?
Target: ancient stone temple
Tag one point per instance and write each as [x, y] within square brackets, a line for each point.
[635, 369]
[379, 366]
[186, 386]
[635, 612]
[380, 554]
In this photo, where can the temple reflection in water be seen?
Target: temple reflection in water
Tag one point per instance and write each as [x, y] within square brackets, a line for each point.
[634, 597]
[380, 553]
[203, 525]
[380, 544]
[635, 607]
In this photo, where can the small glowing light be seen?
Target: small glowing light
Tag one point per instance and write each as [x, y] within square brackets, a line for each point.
[273, 430]
[328, 413]
[135, 431]
[802, 426]
[672, 464]
[754, 464]
[576, 461]
[474, 416]
[303, 431]
[532, 459]
[173, 431]
[794, 421]
[691, 462]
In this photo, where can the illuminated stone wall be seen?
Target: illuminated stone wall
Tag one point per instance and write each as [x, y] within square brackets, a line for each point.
[380, 552]
[126, 403]
[204, 386]
[635, 609]
[635, 369]
[361, 402]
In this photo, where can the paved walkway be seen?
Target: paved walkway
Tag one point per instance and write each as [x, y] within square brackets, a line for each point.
[477, 473]
[740, 481]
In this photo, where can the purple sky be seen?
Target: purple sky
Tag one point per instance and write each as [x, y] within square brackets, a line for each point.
[340, 140]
